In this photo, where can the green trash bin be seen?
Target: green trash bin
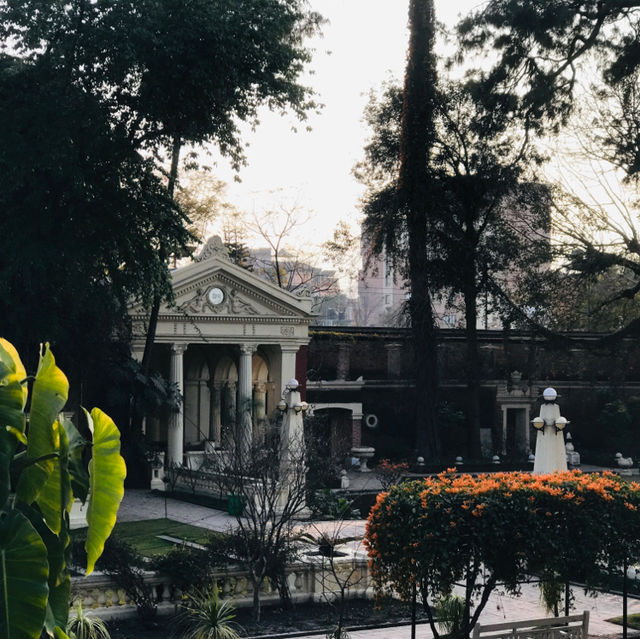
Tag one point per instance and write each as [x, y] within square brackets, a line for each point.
[234, 504]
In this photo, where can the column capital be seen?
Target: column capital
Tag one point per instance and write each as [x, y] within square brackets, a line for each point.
[248, 349]
[289, 348]
[179, 348]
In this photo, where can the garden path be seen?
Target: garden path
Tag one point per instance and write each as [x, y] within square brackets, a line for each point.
[502, 607]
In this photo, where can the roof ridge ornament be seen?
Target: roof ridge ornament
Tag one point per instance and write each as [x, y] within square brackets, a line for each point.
[214, 248]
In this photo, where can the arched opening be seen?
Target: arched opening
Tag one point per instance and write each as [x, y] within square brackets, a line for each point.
[197, 399]
[225, 386]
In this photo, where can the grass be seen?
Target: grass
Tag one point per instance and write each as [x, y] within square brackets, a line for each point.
[633, 621]
[142, 535]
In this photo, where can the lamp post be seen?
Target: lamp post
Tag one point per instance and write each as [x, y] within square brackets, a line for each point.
[292, 452]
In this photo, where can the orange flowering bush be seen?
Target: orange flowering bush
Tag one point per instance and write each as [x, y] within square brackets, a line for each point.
[456, 528]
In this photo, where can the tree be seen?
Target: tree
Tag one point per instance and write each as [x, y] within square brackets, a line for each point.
[43, 465]
[265, 478]
[285, 264]
[538, 48]
[148, 69]
[84, 215]
[488, 221]
[398, 216]
[501, 528]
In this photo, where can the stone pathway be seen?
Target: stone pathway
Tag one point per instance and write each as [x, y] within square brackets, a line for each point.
[502, 607]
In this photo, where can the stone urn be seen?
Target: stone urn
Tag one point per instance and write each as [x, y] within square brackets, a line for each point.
[363, 453]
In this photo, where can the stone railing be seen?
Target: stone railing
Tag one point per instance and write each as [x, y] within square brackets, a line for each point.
[311, 579]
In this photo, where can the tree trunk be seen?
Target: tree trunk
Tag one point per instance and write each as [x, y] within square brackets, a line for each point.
[137, 416]
[473, 362]
[256, 597]
[416, 142]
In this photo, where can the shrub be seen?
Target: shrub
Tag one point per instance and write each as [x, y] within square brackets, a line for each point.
[326, 504]
[126, 567]
[390, 473]
[86, 626]
[204, 616]
[189, 568]
[448, 529]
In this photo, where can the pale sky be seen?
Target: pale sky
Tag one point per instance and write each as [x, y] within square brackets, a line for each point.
[364, 43]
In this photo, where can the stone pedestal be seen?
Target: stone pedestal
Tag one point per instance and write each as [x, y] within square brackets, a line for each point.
[157, 473]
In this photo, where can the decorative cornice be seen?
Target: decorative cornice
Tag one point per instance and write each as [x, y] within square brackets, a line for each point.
[234, 319]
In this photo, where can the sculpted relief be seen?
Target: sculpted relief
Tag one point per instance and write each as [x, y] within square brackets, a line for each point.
[218, 300]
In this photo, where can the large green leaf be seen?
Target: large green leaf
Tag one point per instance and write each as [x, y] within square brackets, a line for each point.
[13, 387]
[59, 579]
[77, 467]
[107, 471]
[48, 397]
[24, 571]
[54, 499]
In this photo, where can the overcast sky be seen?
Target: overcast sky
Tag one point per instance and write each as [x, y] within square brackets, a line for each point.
[364, 43]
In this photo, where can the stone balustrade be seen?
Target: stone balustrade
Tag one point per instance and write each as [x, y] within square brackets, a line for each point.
[310, 579]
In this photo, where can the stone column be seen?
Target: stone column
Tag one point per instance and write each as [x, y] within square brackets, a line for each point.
[243, 409]
[216, 412]
[175, 438]
[356, 429]
[342, 367]
[287, 363]
[394, 360]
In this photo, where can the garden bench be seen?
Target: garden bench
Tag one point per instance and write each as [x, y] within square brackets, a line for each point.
[571, 627]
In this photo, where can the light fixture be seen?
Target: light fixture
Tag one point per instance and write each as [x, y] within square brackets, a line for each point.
[298, 407]
[305, 406]
[292, 384]
[561, 422]
[549, 394]
[282, 405]
[538, 423]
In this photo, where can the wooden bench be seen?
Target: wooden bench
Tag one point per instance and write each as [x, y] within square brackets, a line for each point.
[571, 627]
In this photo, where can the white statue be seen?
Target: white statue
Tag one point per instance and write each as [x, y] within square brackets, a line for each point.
[550, 451]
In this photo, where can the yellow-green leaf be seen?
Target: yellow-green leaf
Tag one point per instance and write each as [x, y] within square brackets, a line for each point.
[48, 397]
[107, 471]
[13, 387]
[54, 499]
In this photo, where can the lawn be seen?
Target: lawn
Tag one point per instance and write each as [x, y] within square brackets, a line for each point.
[143, 535]
[633, 621]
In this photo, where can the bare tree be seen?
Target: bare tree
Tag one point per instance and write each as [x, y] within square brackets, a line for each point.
[265, 481]
[285, 264]
[343, 568]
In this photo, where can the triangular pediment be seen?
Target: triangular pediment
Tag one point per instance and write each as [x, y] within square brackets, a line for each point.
[212, 286]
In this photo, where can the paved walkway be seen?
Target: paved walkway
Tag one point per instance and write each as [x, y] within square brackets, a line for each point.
[502, 607]
[142, 504]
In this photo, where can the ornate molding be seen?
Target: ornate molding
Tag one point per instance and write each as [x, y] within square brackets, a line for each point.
[204, 285]
[241, 319]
